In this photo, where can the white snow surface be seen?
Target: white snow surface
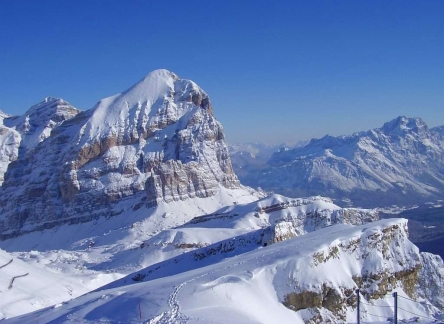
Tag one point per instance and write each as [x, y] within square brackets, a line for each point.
[106, 249]
[37, 286]
[250, 287]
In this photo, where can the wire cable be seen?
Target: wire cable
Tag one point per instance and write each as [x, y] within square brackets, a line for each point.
[417, 301]
[374, 305]
[416, 314]
[375, 315]
[361, 302]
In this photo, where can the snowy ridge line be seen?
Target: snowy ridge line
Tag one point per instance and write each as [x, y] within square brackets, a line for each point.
[293, 203]
[201, 257]
[177, 317]
[262, 209]
[267, 229]
[206, 218]
[174, 303]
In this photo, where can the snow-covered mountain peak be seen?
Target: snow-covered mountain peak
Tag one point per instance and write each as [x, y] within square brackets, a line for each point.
[402, 125]
[154, 85]
[50, 105]
[156, 142]
[30, 129]
[161, 98]
[3, 115]
[328, 141]
[400, 161]
[50, 109]
[38, 122]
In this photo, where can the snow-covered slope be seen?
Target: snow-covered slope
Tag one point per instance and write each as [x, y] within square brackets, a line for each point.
[401, 162]
[26, 287]
[156, 142]
[311, 278]
[242, 228]
[115, 247]
[126, 243]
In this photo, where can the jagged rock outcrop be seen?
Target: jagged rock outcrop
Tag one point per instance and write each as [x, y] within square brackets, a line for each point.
[37, 123]
[400, 163]
[26, 132]
[157, 141]
[9, 145]
[382, 261]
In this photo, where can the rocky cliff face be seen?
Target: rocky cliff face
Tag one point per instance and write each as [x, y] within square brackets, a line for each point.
[430, 284]
[386, 262]
[9, 144]
[401, 162]
[157, 141]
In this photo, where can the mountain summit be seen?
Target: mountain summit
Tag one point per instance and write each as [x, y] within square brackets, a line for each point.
[27, 131]
[401, 162]
[156, 142]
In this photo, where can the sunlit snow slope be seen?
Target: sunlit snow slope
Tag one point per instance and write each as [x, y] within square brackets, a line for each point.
[267, 285]
[25, 287]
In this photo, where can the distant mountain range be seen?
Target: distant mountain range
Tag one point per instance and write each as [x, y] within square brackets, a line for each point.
[400, 163]
[250, 157]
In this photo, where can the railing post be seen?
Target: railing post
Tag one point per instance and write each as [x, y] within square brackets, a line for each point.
[395, 317]
[358, 315]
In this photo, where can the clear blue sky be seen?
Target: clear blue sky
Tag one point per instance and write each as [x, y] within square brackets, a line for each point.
[275, 70]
